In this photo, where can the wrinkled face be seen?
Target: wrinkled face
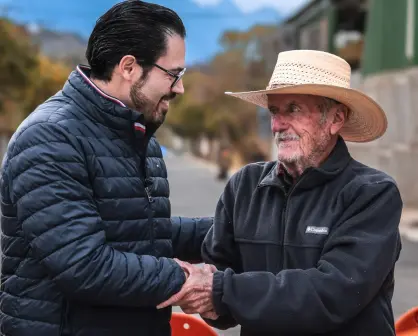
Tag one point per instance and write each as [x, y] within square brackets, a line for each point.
[302, 127]
[152, 95]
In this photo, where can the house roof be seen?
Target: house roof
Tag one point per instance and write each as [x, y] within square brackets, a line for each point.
[302, 14]
[301, 11]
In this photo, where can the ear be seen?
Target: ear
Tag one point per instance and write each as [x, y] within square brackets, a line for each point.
[128, 68]
[339, 118]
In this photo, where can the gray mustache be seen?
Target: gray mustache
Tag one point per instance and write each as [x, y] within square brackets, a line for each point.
[285, 136]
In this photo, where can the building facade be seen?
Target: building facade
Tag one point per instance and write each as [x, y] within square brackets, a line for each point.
[379, 39]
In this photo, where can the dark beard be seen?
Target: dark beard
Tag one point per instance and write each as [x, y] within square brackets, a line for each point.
[140, 102]
[146, 106]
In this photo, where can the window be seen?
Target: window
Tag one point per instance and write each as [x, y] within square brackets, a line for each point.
[315, 35]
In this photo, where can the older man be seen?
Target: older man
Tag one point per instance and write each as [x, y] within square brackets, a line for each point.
[307, 244]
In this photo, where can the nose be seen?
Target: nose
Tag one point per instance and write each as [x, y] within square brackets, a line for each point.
[178, 88]
[278, 123]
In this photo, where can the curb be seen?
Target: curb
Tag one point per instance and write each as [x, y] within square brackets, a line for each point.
[411, 235]
[408, 226]
[409, 231]
[207, 164]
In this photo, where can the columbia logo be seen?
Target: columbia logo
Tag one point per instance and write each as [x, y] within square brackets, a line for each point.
[317, 230]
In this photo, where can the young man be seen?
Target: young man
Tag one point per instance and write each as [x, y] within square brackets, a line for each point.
[87, 236]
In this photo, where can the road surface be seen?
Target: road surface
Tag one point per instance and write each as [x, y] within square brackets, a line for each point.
[194, 192]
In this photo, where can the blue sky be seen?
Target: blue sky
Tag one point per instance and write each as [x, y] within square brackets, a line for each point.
[283, 6]
[205, 20]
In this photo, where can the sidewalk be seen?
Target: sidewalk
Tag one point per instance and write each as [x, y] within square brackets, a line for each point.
[409, 224]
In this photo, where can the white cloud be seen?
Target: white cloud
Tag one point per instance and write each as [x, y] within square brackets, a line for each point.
[283, 6]
[204, 3]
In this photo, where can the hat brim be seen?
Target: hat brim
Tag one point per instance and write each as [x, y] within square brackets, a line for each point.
[367, 121]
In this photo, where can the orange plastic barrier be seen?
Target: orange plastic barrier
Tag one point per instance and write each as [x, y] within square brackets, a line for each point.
[189, 325]
[407, 324]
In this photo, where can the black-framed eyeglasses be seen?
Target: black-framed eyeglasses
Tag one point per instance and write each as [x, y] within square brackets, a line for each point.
[172, 74]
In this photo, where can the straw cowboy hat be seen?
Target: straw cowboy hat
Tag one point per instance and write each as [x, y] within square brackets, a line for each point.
[323, 74]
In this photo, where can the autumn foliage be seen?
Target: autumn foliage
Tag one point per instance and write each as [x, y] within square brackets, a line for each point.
[205, 111]
[27, 78]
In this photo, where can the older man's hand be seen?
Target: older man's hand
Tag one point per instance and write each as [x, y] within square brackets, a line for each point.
[195, 297]
[211, 315]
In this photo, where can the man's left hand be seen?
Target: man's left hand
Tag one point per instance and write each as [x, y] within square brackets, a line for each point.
[195, 297]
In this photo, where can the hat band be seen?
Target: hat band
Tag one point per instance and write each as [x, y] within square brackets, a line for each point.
[278, 86]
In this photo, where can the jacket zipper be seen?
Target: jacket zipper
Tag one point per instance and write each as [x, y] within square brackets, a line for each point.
[150, 210]
[150, 213]
[142, 166]
[284, 216]
[283, 227]
[64, 324]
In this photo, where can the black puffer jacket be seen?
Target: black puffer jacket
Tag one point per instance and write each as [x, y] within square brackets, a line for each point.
[85, 251]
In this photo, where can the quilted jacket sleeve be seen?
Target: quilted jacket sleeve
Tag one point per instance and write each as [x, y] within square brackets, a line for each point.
[50, 185]
[188, 235]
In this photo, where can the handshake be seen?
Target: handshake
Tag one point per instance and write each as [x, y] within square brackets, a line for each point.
[195, 297]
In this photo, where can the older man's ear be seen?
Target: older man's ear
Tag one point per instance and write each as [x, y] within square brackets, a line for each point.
[339, 118]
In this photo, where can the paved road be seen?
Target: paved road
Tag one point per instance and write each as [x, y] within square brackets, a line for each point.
[194, 192]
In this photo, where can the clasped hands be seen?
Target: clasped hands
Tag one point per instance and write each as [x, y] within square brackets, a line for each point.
[195, 297]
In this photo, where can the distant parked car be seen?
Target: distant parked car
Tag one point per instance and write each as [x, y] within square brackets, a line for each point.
[164, 150]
